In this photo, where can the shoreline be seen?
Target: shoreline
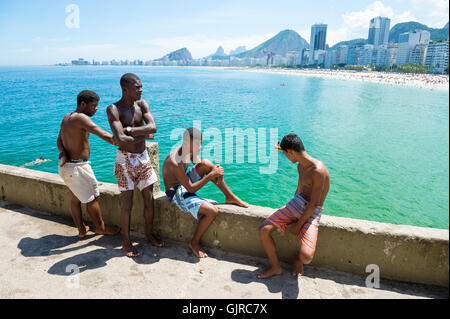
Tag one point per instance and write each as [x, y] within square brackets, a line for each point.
[431, 81]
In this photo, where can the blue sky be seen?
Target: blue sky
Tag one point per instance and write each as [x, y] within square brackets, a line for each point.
[35, 32]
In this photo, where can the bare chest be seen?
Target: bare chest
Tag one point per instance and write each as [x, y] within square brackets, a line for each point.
[130, 116]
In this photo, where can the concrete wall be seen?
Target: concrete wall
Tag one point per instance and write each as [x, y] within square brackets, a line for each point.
[404, 253]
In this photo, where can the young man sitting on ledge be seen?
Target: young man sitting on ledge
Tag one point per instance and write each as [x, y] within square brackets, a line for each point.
[181, 186]
[302, 213]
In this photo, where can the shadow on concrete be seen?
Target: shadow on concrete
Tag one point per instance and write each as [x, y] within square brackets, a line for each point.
[49, 245]
[283, 283]
[54, 245]
[109, 247]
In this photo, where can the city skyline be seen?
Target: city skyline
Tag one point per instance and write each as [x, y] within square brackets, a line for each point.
[37, 34]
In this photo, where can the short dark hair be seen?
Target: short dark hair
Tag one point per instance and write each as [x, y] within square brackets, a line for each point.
[292, 142]
[192, 133]
[87, 96]
[128, 78]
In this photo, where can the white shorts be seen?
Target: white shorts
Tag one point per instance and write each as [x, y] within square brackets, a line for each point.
[80, 179]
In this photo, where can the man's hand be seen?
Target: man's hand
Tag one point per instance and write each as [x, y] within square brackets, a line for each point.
[115, 141]
[63, 158]
[295, 229]
[217, 172]
[150, 137]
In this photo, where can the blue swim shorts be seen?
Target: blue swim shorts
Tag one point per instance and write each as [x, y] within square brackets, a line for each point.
[187, 202]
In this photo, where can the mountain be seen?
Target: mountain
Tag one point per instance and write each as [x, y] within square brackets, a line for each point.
[399, 28]
[287, 40]
[238, 50]
[220, 53]
[181, 54]
[349, 43]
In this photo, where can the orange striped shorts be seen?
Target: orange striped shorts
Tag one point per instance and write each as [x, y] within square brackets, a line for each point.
[291, 213]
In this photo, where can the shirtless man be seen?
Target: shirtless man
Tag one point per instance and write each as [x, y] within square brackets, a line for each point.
[181, 186]
[74, 168]
[302, 213]
[133, 168]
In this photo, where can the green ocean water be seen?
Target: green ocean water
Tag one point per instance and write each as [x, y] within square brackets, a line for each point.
[386, 147]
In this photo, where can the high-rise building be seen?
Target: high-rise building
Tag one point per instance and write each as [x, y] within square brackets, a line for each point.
[437, 56]
[341, 54]
[379, 31]
[319, 57]
[353, 54]
[307, 57]
[330, 59]
[385, 54]
[418, 53]
[365, 54]
[407, 41]
[379, 54]
[318, 37]
[293, 58]
[80, 61]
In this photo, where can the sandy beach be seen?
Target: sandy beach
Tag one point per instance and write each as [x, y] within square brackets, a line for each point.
[417, 80]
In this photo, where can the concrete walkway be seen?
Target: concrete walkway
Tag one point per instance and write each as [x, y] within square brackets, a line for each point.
[38, 250]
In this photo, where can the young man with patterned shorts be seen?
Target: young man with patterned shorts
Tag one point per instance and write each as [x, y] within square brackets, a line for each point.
[132, 123]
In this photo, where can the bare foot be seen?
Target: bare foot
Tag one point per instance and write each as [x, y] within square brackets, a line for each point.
[236, 201]
[197, 250]
[154, 241]
[297, 270]
[109, 230]
[269, 272]
[130, 251]
[82, 234]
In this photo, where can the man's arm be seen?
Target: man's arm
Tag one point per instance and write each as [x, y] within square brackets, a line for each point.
[299, 185]
[117, 128]
[194, 187]
[150, 127]
[62, 151]
[59, 144]
[318, 184]
[93, 128]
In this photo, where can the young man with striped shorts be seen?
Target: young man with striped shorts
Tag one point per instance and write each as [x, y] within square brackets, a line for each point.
[302, 214]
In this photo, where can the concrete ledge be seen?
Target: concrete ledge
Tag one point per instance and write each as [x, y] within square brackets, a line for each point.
[404, 253]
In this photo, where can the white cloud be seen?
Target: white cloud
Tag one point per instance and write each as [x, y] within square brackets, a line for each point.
[433, 13]
[356, 23]
[360, 19]
[336, 35]
[404, 17]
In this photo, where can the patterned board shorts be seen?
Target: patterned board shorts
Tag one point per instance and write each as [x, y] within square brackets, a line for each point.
[291, 213]
[133, 169]
[187, 202]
